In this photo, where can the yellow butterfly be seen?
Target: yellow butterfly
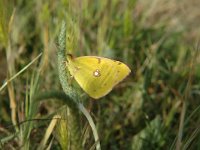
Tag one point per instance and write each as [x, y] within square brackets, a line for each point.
[96, 75]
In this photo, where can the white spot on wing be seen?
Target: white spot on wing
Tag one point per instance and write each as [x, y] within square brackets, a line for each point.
[97, 73]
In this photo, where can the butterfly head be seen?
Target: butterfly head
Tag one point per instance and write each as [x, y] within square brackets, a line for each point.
[70, 57]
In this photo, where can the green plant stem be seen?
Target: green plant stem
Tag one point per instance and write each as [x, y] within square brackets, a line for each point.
[72, 93]
[73, 106]
[74, 116]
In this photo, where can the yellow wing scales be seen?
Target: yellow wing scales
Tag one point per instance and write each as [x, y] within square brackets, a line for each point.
[97, 75]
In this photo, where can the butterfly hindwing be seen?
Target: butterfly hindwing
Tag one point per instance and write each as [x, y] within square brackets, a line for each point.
[97, 75]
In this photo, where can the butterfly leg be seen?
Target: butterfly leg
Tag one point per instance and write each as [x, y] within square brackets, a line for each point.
[72, 76]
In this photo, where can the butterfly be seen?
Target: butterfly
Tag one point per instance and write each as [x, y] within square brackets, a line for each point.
[96, 75]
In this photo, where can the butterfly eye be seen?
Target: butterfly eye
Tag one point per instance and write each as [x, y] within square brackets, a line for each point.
[97, 73]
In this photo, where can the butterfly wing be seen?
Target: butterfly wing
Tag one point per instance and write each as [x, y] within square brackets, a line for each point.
[97, 75]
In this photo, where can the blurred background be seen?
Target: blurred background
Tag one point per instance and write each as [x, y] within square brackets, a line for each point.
[156, 107]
